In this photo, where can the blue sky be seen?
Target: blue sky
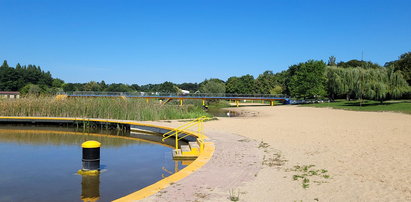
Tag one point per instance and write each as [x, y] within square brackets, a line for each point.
[152, 41]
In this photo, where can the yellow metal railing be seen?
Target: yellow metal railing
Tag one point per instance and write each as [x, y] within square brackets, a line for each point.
[196, 122]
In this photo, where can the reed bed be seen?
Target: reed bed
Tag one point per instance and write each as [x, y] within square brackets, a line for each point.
[106, 108]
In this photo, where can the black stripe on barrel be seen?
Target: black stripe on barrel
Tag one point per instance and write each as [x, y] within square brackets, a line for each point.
[91, 155]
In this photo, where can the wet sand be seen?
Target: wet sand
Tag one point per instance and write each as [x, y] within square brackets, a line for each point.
[358, 156]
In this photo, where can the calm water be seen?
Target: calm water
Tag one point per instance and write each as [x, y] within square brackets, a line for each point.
[40, 165]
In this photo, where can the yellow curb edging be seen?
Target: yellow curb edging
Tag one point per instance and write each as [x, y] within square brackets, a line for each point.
[201, 160]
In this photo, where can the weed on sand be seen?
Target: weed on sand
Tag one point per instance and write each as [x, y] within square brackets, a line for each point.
[308, 174]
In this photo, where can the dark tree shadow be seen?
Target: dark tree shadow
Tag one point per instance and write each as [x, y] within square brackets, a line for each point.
[367, 103]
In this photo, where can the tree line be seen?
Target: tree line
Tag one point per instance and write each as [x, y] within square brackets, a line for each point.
[353, 79]
[22, 78]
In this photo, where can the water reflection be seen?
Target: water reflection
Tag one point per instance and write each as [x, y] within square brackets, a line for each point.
[90, 188]
[176, 168]
[51, 137]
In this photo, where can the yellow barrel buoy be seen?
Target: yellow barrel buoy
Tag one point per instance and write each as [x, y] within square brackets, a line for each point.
[91, 157]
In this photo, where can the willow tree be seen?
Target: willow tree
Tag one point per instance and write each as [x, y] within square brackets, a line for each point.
[377, 81]
[397, 84]
[349, 81]
[361, 83]
[403, 64]
[375, 84]
[335, 82]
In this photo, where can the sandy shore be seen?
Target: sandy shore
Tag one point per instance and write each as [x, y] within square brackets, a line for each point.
[355, 156]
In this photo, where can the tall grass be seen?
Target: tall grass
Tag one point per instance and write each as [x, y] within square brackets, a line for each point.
[107, 108]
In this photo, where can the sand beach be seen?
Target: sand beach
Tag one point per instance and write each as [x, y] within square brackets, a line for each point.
[266, 152]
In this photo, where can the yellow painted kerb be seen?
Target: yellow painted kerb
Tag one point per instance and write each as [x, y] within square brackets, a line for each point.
[91, 144]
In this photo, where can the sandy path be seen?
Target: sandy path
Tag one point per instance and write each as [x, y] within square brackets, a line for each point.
[366, 154]
[234, 163]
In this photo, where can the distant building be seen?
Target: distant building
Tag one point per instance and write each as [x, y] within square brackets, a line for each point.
[10, 94]
[185, 92]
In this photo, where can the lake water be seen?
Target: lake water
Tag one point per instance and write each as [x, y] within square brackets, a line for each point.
[41, 165]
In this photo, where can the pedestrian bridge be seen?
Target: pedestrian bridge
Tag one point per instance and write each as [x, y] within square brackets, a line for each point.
[166, 97]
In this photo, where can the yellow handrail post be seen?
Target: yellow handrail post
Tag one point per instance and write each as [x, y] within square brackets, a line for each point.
[176, 139]
[201, 143]
[181, 102]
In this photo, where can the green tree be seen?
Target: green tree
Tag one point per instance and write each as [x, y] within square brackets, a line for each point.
[233, 85]
[167, 87]
[103, 85]
[265, 82]
[119, 87]
[358, 63]
[403, 64]
[18, 77]
[215, 86]
[377, 81]
[148, 88]
[9, 78]
[397, 84]
[248, 85]
[334, 81]
[31, 89]
[192, 87]
[136, 87]
[277, 90]
[283, 80]
[308, 80]
[70, 87]
[332, 61]
[92, 86]
[5, 64]
[57, 83]
[241, 85]
[376, 84]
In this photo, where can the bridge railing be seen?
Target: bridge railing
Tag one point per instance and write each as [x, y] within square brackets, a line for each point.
[158, 94]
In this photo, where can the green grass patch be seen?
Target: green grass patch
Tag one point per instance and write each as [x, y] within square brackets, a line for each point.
[218, 104]
[403, 106]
